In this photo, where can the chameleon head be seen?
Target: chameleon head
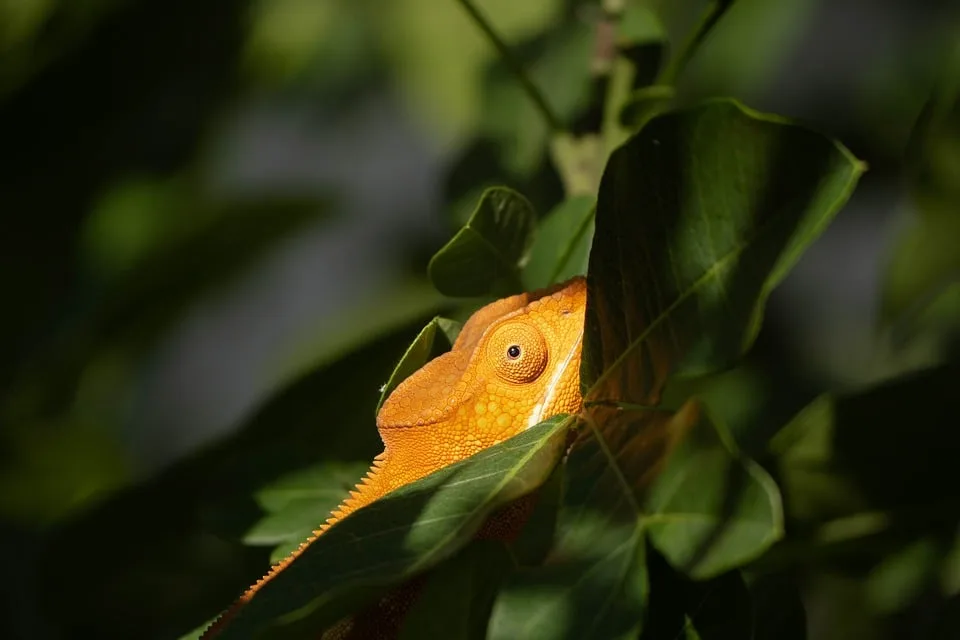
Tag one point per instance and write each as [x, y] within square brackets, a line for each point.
[515, 363]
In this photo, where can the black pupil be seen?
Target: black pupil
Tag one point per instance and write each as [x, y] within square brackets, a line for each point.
[513, 351]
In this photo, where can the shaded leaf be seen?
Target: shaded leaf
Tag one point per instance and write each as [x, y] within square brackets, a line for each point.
[455, 602]
[903, 576]
[594, 581]
[299, 502]
[924, 271]
[433, 340]
[399, 536]
[699, 216]
[874, 453]
[709, 509]
[561, 247]
[485, 256]
[627, 476]
[535, 539]
[714, 609]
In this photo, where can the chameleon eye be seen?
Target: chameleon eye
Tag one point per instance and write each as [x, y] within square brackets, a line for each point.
[518, 352]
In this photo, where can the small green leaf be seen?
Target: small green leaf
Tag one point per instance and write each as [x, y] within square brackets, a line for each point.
[864, 461]
[399, 536]
[455, 602]
[710, 510]
[904, 575]
[639, 24]
[561, 247]
[300, 502]
[485, 256]
[699, 216]
[434, 339]
[923, 270]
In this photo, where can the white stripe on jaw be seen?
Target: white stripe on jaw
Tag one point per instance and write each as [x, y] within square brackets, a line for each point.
[536, 417]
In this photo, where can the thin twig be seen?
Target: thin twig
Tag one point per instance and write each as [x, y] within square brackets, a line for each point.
[549, 116]
[710, 16]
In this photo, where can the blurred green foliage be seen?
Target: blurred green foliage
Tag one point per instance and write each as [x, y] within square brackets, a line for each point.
[760, 497]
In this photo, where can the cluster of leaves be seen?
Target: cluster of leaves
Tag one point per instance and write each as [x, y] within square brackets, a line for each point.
[696, 221]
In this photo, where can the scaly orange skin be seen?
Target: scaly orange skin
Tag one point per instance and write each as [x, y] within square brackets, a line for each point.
[515, 363]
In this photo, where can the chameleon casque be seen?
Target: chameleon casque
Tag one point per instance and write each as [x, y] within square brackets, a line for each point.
[515, 363]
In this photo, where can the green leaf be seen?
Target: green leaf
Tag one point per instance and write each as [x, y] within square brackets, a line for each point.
[594, 581]
[455, 602]
[433, 340]
[859, 463]
[903, 577]
[924, 268]
[709, 509]
[639, 24]
[399, 536]
[633, 473]
[699, 216]
[298, 503]
[561, 247]
[485, 256]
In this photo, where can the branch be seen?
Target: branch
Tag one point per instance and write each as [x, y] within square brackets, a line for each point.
[549, 116]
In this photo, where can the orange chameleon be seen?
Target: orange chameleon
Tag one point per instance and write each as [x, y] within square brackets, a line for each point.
[515, 363]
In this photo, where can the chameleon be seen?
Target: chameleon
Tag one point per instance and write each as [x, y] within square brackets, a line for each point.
[515, 363]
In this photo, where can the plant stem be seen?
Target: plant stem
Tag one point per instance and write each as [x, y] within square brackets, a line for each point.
[535, 95]
[713, 12]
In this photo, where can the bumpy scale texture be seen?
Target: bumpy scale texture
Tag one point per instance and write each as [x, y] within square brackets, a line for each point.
[515, 363]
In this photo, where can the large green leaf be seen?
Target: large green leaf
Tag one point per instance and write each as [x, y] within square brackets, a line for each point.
[485, 256]
[630, 475]
[561, 247]
[434, 339]
[699, 216]
[399, 536]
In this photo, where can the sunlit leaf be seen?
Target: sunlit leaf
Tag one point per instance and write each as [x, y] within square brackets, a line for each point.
[699, 216]
[485, 256]
[401, 535]
[561, 246]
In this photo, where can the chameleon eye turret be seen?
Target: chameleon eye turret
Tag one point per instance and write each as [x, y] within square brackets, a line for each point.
[518, 352]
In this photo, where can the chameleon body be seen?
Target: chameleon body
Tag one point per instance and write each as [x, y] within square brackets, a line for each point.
[515, 363]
